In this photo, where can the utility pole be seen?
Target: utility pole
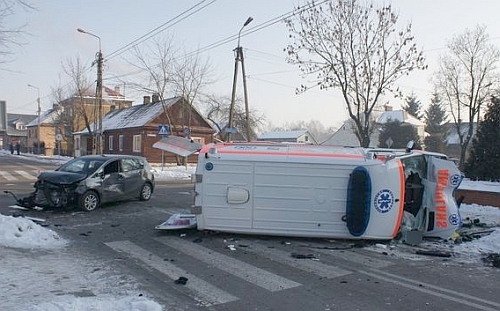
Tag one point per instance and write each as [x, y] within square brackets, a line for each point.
[239, 58]
[98, 94]
[38, 119]
[99, 100]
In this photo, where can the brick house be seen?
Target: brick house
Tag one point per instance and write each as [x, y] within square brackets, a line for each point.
[134, 130]
[74, 110]
[67, 117]
[47, 134]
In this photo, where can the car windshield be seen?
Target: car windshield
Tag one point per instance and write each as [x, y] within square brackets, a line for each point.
[82, 166]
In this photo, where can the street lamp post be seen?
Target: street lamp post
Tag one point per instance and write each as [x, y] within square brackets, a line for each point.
[98, 132]
[38, 121]
[239, 58]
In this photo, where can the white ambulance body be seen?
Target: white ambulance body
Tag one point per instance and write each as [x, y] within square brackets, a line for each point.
[324, 191]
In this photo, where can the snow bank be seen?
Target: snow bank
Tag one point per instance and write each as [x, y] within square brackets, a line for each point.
[24, 233]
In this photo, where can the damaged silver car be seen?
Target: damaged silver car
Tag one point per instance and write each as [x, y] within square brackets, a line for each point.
[89, 181]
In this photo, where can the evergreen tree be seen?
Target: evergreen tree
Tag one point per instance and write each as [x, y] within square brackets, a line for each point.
[398, 133]
[483, 161]
[413, 106]
[435, 118]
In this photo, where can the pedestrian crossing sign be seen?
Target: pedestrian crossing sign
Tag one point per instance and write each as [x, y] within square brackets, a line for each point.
[163, 130]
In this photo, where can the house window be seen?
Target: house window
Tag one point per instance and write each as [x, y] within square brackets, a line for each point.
[68, 131]
[199, 140]
[110, 142]
[120, 143]
[136, 144]
[77, 143]
[306, 138]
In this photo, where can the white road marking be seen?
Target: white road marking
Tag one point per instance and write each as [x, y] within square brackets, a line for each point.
[202, 291]
[249, 273]
[433, 290]
[7, 175]
[26, 175]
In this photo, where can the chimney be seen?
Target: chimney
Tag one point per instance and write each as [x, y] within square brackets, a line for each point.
[146, 100]
[387, 107]
[117, 90]
[155, 98]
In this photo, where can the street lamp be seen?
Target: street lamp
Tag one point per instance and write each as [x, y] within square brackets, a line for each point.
[38, 122]
[98, 133]
[239, 58]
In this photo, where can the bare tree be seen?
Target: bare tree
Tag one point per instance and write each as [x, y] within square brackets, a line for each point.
[191, 74]
[466, 78]
[11, 36]
[75, 110]
[356, 48]
[217, 112]
[166, 72]
[155, 61]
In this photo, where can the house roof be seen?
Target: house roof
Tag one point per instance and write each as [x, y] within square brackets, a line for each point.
[47, 117]
[282, 134]
[345, 136]
[135, 116]
[106, 93]
[452, 138]
[13, 118]
[399, 115]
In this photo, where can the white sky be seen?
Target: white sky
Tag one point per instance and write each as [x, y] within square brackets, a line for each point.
[271, 82]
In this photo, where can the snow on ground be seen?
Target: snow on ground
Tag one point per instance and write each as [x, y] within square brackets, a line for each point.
[41, 272]
[489, 186]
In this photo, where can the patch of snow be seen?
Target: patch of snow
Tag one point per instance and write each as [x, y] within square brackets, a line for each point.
[24, 233]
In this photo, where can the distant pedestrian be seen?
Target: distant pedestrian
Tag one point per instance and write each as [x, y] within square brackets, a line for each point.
[18, 148]
[11, 148]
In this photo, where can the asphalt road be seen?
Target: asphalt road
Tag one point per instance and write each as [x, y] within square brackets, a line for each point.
[236, 272]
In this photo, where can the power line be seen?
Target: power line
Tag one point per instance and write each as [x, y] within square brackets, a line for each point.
[226, 40]
[168, 24]
[251, 30]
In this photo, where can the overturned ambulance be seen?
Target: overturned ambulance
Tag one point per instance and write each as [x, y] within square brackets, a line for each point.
[324, 191]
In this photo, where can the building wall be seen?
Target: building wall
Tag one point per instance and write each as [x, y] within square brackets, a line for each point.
[478, 197]
[149, 136]
[47, 139]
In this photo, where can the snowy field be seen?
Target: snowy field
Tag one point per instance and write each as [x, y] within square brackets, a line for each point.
[39, 272]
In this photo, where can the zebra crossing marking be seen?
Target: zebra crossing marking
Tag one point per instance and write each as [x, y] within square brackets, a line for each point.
[249, 273]
[202, 291]
[7, 176]
[26, 175]
[311, 266]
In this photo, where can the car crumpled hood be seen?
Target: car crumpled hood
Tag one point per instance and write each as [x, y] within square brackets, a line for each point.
[61, 178]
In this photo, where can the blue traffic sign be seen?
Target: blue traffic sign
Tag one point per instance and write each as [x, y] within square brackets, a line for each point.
[163, 130]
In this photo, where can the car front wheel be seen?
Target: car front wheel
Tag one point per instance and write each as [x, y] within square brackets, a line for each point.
[146, 192]
[89, 201]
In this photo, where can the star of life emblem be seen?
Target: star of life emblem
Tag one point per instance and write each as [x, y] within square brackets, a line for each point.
[384, 201]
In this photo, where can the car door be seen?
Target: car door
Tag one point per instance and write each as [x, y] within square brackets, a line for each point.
[132, 171]
[113, 182]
